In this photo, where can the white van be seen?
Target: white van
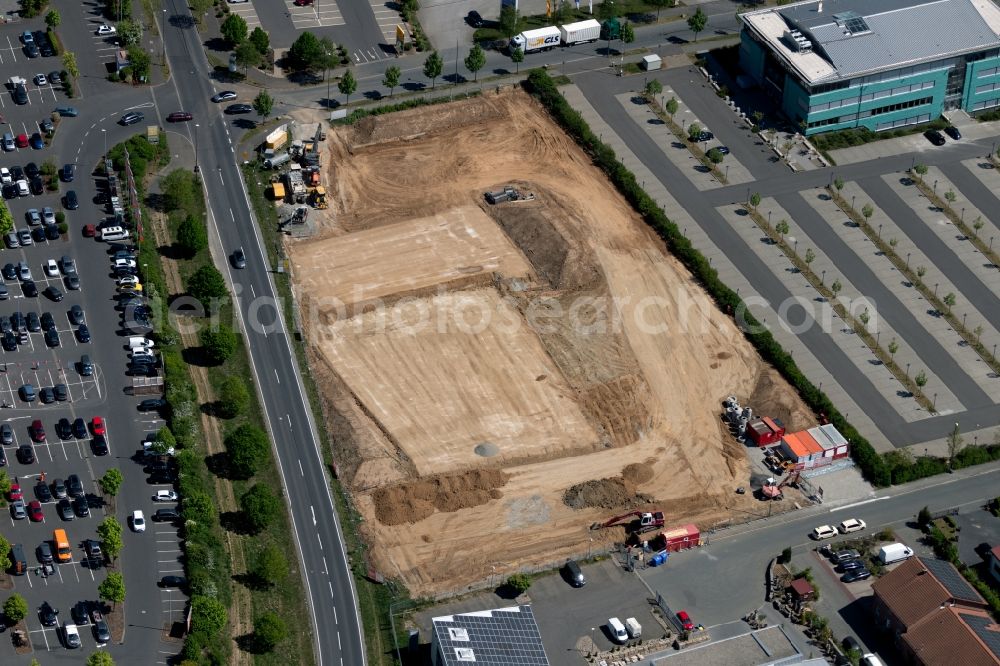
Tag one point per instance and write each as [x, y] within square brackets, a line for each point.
[634, 628]
[617, 630]
[871, 660]
[113, 234]
[137, 341]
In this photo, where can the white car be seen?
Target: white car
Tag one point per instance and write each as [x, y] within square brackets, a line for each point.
[5, 177]
[123, 263]
[22, 188]
[138, 521]
[52, 268]
[105, 30]
[48, 215]
[40, 80]
[824, 532]
[72, 636]
[147, 448]
[128, 281]
[852, 525]
[165, 496]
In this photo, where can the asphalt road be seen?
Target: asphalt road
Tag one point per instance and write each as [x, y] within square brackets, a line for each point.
[325, 568]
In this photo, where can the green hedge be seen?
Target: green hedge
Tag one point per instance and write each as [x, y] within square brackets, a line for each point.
[357, 115]
[543, 88]
[862, 135]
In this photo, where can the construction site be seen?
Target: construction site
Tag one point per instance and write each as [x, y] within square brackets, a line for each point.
[508, 356]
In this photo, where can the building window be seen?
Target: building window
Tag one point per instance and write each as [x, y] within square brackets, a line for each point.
[901, 105]
[988, 104]
[830, 87]
[912, 120]
[989, 87]
[990, 71]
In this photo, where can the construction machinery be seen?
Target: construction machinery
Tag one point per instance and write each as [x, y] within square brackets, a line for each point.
[772, 491]
[318, 197]
[296, 184]
[636, 522]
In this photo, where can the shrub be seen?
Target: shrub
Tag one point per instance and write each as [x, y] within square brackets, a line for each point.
[786, 556]
[519, 583]
[247, 449]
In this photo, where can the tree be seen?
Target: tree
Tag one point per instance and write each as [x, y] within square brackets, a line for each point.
[920, 379]
[268, 630]
[782, 227]
[328, 58]
[563, 13]
[6, 219]
[893, 242]
[260, 506]
[921, 271]
[112, 481]
[755, 200]
[475, 61]
[694, 130]
[4, 549]
[955, 443]
[950, 196]
[715, 156]
[786, 555]
[519, 583]
[198, 507]
[218, 344]
[263, 104]
[208, 615]
[836, 287]
[15, 608]
[164, 440]
[247, 448]
[118, 10]
[234, 397]
[305, 52]
[4, 484]
[260, 40]
[192, 236]
[671, 107]
[810, 256]
[199, 7]
[627, 35]
[867, 210]
[130, 32]
[100, 658]
[207, 284]
[270, 566]
[977, 224]
[433, 67]
[697, 22]
[608, 9]
[112, 588]
[69, 64]
[838, 183]
[52, 19]
[924, 518]
[920, 170]
[508, 21]
[893, 347]
[247, 56]
[517, 57]
[660, 4]
[978, 330]
[865, 317]
[178, 188]
[234, 29]
[949, 300]
[138, 62]
[110, 532]
[653, 88]
[347, 85]
[391, 78]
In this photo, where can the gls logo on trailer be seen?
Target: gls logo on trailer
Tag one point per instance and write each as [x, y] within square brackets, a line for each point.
[554, 40]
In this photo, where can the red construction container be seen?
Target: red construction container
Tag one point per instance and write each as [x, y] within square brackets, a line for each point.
[678, 538]
[765, 431]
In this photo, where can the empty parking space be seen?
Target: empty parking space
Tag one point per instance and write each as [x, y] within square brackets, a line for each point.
[318, 14]
[246, 11]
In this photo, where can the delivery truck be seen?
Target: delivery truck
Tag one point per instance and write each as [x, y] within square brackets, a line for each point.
[580, 32]
[541, 39]
[894, 552]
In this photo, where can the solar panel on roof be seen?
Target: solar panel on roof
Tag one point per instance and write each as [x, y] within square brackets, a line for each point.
[981, 625]
[856, 26]
[952, 580]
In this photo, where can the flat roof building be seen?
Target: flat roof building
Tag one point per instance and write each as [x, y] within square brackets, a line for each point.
[879, 64]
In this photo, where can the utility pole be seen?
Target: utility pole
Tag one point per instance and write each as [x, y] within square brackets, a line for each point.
[196, 148]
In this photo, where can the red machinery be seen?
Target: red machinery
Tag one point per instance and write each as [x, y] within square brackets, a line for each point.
[637, 521]
[772, 491]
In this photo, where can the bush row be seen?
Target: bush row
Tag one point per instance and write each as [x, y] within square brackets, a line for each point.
[861, 135]
[357, 115]
[539, 84]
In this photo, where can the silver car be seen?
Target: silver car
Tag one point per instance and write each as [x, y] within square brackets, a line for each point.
[48, 215]
[18, 510]
[24, 236]
[11, 240]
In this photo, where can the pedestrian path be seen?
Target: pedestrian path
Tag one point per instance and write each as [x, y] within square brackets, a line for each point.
[758, 306]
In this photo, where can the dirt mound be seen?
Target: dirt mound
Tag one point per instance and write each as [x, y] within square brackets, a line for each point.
[412, 502]
[636, 474]
[613, 493]
[771, 397]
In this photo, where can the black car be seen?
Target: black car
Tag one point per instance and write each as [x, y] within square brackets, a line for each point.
[19, 321]
[162, 477]
[81, 613]
[81, 507]
[851, 565]
[9, 271]
[86, 366]
[80, 429]
[72, 203]
[72, 282]
[9, 341]
[34, 325]
[42, 492]
[51, 231]
[152, 404]
[474, 19]
[100, 445]
[953, 132]
[64, 429]
[31, 170]
[65, 509]
[101, 632]
[38, 233]
[47, 395]
[25, 454]
[52, 338]
[54, 293]
[239, 259]
[76, 315]
[3, 457]
[47, 615]
[44, 552]
[68, 172]
[36, 185]
[31, 51]
[29, 289]
[6, 434]
[173, 581]
[20, 94]
[166, 515]
[61, 391]
[10, 191]
[234, 109]
[83, 333]
[856, 575]
[704, 136]
[74, 486]
[48, 321]
[131, 118]
[141, 370]
[17, 173]
[93, 550]
[851, 643]
[935, 137]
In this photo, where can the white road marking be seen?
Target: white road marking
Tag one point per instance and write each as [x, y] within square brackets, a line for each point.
[301, 471]
[851, 506]
[313, 511]
[275, 376]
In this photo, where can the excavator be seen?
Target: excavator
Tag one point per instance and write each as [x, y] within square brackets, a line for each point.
[635, 522]
[772, 491]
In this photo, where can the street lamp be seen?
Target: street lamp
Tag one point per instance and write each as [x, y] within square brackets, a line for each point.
[105, 133]
[196, 148]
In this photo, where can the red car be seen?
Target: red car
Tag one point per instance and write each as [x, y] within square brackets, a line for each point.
[97, 425]
[21, 141]
[37, 431]
[685, 620]
[35, 511]
[179, 116]
[302, 3]
[15, 491]
[89, 230]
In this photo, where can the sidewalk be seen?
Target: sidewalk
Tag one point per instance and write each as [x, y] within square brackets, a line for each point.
[972, 130]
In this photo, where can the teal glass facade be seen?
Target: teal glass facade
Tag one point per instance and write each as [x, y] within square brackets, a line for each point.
[881, 101]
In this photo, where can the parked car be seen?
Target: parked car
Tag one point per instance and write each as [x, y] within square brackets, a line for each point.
[105, 30]
[152, 404]
[685, 620]
[166, 515]
[47, 615]
[935, 137]
[856, 575]
[173, 581]
[35, 511]
[74, 486]
[224, 96]
[165, 496]
[236, 109]
[824, 532]
[138, 521]
[72, 636]
[953, 132]
[852, 525]
[59, 489]
[100, 445]
[65, 509]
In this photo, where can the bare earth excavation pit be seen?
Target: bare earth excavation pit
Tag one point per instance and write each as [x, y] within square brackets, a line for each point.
[498, 378]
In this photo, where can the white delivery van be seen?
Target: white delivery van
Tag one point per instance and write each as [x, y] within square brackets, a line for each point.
[113, 234]
[634, 628]
[894, 552]
[137, 341]
[617, 630]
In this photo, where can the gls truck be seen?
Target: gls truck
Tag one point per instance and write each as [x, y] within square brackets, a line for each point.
[541, 39]
[580, 32]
